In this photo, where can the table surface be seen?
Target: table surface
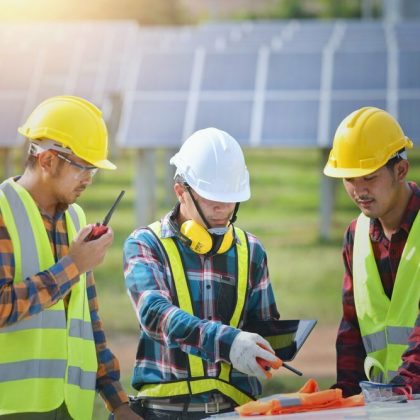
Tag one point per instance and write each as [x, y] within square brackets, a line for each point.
[384, 410]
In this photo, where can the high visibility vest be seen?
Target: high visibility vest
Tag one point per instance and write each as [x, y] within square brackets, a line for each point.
[49, 357]
[198, 382]
[385, 324]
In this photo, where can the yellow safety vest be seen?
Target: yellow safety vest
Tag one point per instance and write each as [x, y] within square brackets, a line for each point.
[49, 357]
[385, 324]
[198, 383]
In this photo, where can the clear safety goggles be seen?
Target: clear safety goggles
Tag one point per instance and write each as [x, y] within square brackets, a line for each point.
[81, 171]
[375, 392]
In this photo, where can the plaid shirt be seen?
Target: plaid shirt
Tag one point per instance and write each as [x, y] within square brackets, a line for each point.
[350, 350]
[167, 332]
[23, 299]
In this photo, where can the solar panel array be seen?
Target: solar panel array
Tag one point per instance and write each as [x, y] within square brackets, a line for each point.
[269, 83]
[282, 83]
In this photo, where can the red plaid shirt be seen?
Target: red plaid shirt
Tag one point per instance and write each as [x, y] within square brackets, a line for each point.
[350, 350]
[34, 294]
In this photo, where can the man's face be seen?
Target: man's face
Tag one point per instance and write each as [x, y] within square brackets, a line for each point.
[70, 177]
[216, 213]
[375, 194]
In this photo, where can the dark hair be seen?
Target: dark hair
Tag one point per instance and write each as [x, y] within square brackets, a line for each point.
[179, 179]
[394, 160]
[30, 162]
[32, 159]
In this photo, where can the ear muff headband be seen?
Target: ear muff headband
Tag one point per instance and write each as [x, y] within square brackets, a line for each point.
[202, 241]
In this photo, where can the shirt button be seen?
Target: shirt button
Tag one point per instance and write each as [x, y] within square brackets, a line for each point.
[209, 317]
[208, 286]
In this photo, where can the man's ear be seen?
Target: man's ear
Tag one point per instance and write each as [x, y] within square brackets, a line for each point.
[179, 191]
[46, 160]
[401, 169]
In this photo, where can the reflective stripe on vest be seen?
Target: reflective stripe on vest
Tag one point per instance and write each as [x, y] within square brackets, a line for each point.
[393, 335]
[199, 383]
[48, 358]
[385, 324]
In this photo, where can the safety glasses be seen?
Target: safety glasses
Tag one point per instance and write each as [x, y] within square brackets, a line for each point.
[82, 170]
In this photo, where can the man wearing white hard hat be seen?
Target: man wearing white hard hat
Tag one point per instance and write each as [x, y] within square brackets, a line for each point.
[194, 279]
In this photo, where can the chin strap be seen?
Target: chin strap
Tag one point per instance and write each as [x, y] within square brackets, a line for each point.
[197, 206]
[200, 212]
[234, 214]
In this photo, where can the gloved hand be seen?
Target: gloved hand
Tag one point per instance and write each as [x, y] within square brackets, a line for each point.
[246, 347]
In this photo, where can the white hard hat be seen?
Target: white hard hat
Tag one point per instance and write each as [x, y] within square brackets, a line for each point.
[212, 163]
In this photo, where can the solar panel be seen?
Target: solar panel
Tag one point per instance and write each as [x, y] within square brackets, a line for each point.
[231, 115]
[294, 71]
[291, 123]
[11, 117]
[361, 35]
[306, 36]
[253, 40]
[154, 123]
[409, 69]
[16, 70]
[408, 116]
[74, 57]
[185, 38]
[209, 39]
[165, 71]
[407, 35]
[360, 70]
[229, 71]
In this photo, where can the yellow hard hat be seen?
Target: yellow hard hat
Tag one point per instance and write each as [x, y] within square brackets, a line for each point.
[365, 141]
[75, 123]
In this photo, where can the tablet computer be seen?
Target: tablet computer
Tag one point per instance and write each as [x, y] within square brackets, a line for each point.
[285, 336]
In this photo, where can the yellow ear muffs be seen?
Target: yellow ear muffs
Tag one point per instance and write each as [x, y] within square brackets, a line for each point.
[201, 240]
[227, 241]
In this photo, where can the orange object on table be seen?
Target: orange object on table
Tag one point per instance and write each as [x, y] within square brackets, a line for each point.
[308, 398]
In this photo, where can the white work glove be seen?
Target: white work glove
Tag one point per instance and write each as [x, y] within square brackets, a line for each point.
[246, 347]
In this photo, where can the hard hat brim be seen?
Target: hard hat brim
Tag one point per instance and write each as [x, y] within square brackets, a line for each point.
[347, 172]
[228, 197]
[104, 164]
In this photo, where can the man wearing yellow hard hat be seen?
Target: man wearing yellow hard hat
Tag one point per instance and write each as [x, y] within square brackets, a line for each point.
[379, 335]
[53, 355]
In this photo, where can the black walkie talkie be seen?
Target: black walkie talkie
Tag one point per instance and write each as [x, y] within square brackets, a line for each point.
[100, 228]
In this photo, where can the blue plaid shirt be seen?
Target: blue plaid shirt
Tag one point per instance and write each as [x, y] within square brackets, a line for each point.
[166, 332]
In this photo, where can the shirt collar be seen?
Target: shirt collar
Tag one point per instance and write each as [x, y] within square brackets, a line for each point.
[412, 208]
[170, 224]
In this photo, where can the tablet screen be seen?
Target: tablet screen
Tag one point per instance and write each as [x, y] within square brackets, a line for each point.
[285, 336]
